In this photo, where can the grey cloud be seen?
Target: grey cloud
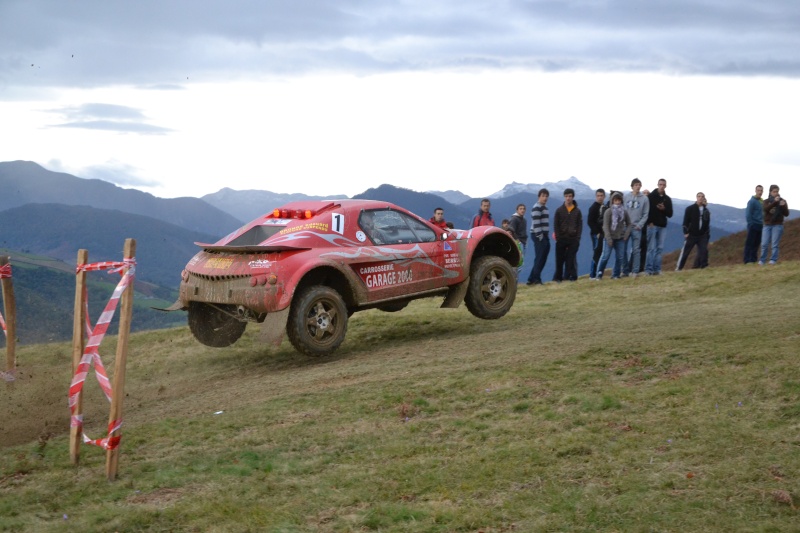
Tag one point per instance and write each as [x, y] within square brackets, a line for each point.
[112, 171]
[154, 43]
[93, 110]
[106, 117]
[114, 125]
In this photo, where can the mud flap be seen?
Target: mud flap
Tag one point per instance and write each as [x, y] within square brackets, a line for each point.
[455, 295]
[273, 327]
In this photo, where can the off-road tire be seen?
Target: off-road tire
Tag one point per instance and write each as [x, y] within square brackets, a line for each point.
[317, 321]
[215, 325]
[492, 287]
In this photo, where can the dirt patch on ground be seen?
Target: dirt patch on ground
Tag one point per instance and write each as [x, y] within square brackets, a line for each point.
[33, 405]
[158, 498]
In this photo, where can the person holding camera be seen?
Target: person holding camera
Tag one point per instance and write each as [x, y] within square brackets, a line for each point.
[696, 231]
[775, 210]
[660, 211]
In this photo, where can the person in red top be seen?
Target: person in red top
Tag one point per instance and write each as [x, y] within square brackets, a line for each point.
[484, 217]
[438, 218]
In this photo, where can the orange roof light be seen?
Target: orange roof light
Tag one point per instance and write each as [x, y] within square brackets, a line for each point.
[309, 213]
[276, 213]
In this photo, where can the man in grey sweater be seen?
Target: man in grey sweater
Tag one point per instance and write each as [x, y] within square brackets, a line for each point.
[638, 207]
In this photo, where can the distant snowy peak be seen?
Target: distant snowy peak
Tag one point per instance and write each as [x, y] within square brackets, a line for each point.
[555, 188]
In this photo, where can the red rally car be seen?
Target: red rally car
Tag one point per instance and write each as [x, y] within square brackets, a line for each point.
[307, 266]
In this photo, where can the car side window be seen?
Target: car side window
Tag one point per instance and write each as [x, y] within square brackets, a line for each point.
[423, 232]
[386, 226]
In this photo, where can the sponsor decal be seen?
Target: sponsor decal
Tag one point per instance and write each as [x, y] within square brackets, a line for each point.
[259, 263]
[321, 226]
[385, 275]
[447, 246]
[337, 223]
[452, 260]
[360, 236]
[219, 263]
[376, 268]
[276, 222]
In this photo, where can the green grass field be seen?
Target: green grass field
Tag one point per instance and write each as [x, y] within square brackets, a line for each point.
[649, 404]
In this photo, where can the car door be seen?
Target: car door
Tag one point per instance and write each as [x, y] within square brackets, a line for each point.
[407, 255]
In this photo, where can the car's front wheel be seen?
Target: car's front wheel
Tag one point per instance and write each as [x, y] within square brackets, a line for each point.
[492, 287]
[317, 321]
[215, 325]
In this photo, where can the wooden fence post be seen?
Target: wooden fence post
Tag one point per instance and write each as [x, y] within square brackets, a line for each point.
[126, 314]
[78, 345]
[10, 308]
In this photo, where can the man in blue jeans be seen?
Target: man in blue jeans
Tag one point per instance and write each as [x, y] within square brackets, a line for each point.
[638, 207]
[775, 210]
[660, 211]
[594, 220]
[540, 236]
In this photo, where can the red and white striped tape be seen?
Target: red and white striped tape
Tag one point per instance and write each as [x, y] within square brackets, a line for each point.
[91, 355]
[5, 273]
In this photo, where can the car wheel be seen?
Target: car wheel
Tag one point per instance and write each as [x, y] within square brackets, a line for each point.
[317, 321]
[492, 287]
[215, 325]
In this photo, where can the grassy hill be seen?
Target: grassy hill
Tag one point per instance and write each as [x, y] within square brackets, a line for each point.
[729, 250]
[648, 404]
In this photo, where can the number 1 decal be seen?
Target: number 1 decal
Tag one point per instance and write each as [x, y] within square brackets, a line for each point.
[337, 223]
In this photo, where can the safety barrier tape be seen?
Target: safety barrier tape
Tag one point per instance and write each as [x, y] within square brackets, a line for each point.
[5, 273]
[91, 354]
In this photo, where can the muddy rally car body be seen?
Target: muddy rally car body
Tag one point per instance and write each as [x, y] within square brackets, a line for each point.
[304, 268]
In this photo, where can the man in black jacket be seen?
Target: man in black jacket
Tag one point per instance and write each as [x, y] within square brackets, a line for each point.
[594, 219]
[696, 226]
[660, 211]
[567, 225]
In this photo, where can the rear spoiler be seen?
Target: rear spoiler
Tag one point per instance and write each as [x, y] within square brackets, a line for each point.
[250, 249]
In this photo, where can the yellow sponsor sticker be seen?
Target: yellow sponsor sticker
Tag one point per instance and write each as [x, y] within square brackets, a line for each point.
[218, 262]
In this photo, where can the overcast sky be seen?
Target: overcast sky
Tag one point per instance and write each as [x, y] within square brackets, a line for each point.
[182, 98]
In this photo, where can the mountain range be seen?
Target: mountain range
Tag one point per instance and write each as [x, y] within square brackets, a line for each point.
[53, 215]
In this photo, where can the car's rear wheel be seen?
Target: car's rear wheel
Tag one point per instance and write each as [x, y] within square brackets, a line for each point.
[492, 287]
[215, 325]
[317, 321]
